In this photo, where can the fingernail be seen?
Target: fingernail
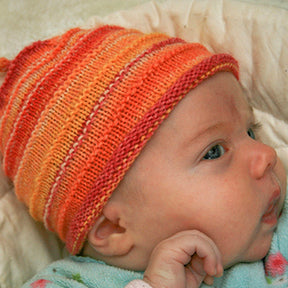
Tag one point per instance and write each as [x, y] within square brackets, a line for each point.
[209, 280]
[219, 272]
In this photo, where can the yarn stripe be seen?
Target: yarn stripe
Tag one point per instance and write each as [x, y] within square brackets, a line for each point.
[54, 75]
[70, 120]
[106, 142]
[17, 67]
[131, 148]
[14, 82]
[70, 154]
[61, 220]
[30, 77]
[63, 68]
[86, 152]
[70, 109]
[89, 162]
[33, 108]
[16, 142]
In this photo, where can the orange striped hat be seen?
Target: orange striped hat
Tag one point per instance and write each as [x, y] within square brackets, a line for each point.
[77, 109]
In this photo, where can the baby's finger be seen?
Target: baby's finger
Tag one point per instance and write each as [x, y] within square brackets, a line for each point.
[194, 279]
[210, 265]
[196, 267]
[207, 257]
[209, 280]
[193, 249]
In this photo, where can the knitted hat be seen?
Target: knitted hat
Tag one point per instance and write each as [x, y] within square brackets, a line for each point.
[77, 109]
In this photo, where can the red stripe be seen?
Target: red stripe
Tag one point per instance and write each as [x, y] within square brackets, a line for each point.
[83, 133]
[16, 66]
[44, 92]
[135, 141]
[46, 46]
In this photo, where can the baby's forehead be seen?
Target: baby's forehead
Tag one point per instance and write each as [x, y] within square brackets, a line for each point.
[214, 96]
[217, 102]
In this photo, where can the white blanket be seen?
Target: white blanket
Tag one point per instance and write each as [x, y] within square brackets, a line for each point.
[255, 32]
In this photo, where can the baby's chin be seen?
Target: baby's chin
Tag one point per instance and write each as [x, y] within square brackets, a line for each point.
[253, 255]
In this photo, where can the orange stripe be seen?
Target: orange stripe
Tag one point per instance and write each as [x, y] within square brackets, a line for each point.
[111, 137]
[29, 92]
[19, 69]
[72, 177]
[48, 93]
[44, 135]
[133, 143]
[70, 101]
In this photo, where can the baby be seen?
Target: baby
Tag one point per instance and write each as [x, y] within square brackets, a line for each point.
[141, 153]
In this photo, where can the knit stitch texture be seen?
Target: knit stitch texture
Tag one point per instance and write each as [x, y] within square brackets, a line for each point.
[77, 109]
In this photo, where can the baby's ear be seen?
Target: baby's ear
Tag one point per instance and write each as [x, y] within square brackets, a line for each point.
[108, 237]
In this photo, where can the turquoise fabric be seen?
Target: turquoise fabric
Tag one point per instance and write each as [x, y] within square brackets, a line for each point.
[80, 272]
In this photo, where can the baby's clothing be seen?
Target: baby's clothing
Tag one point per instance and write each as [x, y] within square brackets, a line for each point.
[80, 272]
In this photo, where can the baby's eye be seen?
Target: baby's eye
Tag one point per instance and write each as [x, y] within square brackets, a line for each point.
[251, 133]
[254, 130]
[215, 152]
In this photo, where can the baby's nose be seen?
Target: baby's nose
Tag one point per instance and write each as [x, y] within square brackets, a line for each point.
[263, 159]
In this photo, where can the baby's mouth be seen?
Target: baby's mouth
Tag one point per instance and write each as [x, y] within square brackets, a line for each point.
[272, 212]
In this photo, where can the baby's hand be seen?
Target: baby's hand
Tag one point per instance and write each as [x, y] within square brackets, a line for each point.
[184, 260]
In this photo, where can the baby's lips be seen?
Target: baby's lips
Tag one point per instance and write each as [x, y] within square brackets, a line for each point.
[272, 210]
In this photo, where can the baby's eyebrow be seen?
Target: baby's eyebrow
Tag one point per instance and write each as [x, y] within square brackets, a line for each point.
[207, 130]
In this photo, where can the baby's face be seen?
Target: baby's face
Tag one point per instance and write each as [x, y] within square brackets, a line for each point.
[204, 170]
